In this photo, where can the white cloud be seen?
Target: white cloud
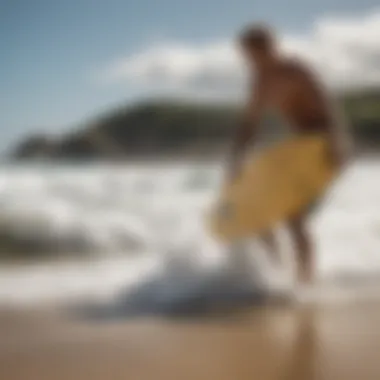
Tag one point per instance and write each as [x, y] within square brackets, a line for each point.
[346, 51]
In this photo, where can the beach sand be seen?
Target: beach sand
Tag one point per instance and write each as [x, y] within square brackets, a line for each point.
[282, 342]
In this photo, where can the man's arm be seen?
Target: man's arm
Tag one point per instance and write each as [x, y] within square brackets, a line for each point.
[338, 136]
[246, 132]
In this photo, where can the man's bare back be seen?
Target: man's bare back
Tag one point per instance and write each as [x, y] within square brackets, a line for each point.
[288, 88]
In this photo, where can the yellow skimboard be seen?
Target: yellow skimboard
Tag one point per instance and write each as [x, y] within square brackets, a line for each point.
[278, 183]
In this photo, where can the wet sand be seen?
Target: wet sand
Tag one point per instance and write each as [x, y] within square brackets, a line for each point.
[309, 342]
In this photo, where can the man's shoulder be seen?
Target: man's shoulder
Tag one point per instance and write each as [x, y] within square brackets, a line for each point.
[294, 66]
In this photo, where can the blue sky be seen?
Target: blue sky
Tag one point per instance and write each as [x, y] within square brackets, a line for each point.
[50, 50]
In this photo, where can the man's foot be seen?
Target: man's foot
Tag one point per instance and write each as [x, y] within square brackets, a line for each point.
[309, 293]
[280, 287]
[305, 275]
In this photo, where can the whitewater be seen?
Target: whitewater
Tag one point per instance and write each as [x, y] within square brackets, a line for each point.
[108, 228]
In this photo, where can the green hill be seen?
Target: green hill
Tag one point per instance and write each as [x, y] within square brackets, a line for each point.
[172, 127]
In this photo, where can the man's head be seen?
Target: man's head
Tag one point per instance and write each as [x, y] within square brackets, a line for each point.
[258, 45]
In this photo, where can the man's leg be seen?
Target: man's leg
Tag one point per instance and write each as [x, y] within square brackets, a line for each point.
[269, 240]
[303, 249]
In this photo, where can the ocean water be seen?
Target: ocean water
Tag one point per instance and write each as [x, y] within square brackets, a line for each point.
[106, 229]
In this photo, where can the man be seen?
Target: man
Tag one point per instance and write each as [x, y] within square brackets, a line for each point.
[287, 87]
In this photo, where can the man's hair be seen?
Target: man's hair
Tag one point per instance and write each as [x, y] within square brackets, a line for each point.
[258, 37]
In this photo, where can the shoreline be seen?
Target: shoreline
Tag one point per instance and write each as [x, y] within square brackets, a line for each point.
[273, 342]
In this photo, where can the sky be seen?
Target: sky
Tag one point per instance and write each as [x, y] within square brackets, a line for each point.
[64, 62]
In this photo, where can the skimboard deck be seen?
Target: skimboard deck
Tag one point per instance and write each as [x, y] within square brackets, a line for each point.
[280, 182]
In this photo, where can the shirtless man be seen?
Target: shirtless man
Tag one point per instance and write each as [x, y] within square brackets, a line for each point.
[289, 88]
